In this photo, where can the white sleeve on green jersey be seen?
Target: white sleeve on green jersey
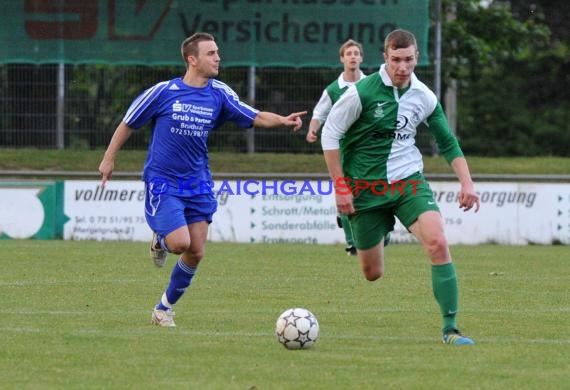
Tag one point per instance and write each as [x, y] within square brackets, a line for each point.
[342, 115]
[323, 107]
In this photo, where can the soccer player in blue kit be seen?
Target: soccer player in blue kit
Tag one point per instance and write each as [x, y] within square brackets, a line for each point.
[178, 206]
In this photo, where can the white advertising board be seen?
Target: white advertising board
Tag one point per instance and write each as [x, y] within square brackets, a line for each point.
[115, 212]
[274, 218]
[511, 213]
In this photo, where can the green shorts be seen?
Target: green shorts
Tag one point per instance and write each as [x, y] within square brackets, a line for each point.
[371, 225]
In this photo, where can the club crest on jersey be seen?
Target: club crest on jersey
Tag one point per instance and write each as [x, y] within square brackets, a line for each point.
[379, 111]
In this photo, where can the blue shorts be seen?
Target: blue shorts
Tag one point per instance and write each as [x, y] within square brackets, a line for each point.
[166, 212]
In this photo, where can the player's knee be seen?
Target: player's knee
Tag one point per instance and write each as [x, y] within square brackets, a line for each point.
[197, 254]
[436, 246]
[372, 273]
[371, 276]
[179, 247]
[372, 264]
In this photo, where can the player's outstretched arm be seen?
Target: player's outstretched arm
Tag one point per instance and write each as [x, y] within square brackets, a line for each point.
[269, 119]
[122, 133]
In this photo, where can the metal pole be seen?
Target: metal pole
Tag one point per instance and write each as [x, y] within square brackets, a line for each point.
[451, 90]
[437, 41]
[250, 133]
[60, 107]
[437, 62]
[60, 87]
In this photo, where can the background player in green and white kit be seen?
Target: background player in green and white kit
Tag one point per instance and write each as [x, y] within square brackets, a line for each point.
[371, 129]
[351, 56]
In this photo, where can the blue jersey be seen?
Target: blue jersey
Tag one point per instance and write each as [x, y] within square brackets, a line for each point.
[182, 118]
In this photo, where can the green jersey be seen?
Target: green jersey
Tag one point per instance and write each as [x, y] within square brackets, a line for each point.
[330, 95]
[374, 125]
[335, 91]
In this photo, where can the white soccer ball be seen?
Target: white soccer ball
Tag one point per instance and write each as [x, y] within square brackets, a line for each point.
[297, 328]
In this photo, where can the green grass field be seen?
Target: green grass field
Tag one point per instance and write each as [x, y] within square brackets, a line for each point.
[133, 160]
[77, 316]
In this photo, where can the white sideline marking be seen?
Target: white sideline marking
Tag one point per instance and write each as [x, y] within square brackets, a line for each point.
[151, 330]
[68, 282]
[268, 309]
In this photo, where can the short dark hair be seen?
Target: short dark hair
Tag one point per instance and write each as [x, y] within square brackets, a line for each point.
[400, 39]
[190, 45]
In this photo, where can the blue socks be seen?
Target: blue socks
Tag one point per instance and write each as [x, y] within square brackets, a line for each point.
[180, 280]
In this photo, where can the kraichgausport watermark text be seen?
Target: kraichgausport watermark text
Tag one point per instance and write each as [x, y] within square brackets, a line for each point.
[341, 186]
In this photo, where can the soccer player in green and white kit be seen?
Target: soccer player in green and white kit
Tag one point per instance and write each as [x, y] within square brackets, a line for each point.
[372, 130]
[351, 56]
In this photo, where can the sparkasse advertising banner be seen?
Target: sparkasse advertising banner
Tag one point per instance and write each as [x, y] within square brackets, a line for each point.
[304, 212]
[292, 33]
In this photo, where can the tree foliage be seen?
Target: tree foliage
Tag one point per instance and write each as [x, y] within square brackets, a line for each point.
[513, 79]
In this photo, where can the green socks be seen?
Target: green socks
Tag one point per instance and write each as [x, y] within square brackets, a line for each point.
[444, 284]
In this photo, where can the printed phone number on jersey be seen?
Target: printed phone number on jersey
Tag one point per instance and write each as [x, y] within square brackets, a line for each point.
[193, 131]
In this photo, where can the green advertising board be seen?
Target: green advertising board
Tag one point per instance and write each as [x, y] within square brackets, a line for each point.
[31, 209]
[292, 33]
